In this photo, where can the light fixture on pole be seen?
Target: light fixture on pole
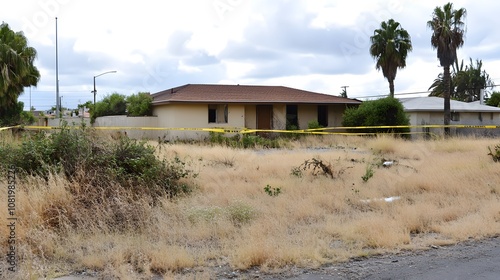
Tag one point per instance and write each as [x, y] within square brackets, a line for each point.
[95, 91]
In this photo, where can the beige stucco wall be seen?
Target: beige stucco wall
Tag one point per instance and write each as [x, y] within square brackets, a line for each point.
[306, 113]
[135, 122]
[194, 116]
[73, 121]
[335, 113]
[466, 118]
[279, 116]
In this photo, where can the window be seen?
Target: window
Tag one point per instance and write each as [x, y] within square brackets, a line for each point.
[292, 119]
[217, 113]
[455, 116]
[323, 115]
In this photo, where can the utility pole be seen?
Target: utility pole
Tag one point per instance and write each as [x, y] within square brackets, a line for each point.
[344, 91]
[58, 104]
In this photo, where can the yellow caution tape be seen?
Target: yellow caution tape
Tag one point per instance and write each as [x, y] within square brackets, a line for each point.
[320, 131]
[8, 127]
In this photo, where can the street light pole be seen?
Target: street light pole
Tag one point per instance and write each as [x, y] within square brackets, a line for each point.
[95, 90]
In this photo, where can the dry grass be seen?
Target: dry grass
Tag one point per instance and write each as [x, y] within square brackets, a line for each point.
[449, 190]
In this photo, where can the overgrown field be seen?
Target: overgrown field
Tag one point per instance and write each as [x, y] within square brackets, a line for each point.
[322, 199]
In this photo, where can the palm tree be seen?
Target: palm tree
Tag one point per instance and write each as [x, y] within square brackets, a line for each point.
[16, 67]
[448, 35]
[438, 87]
[466, 84]
[390, 45]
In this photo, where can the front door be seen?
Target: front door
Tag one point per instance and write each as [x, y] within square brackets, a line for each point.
[264, 116]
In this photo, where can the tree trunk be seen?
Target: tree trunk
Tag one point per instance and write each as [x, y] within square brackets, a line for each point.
[447, 93]
[391, 88]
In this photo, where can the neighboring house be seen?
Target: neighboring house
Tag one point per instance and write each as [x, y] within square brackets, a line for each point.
[430, 111]
[244, 106]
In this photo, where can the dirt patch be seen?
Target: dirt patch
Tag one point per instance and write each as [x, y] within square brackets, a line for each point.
[473, 259]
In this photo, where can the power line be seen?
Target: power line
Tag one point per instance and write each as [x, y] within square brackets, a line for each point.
[402, 93]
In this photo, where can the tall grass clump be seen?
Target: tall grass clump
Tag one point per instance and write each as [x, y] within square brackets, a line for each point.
[246, 141]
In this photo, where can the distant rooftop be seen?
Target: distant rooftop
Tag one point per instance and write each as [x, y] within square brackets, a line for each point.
[436, 104]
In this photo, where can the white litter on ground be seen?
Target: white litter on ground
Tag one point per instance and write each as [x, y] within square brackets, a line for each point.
[388, 163]
[387, 199]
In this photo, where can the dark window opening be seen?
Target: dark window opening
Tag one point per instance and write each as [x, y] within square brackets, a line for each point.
[292, 119]
[323, 115]
[455, 116]
[217, 113]
[212, 113]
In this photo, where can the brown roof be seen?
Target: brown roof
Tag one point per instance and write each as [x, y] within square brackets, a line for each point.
[200, 93]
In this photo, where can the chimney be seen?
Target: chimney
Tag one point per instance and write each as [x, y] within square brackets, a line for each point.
[481, 96]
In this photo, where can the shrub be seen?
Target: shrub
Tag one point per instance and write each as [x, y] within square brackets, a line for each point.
[271, 191]
[140, 104]
[12, 115]
[368, 173]
[382, 112]
[313, 125]
[494, 99]
[111, 105]
[87, 159]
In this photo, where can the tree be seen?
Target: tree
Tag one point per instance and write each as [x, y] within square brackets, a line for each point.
[386, 111]
[465, 84]
[448, 31]
[471, 81]
[390, 45]
[111, 105]
[17, 70]
[343, 93]
[494, 99]
[140, 104]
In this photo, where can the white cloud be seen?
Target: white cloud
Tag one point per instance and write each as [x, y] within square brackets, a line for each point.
[316, 45]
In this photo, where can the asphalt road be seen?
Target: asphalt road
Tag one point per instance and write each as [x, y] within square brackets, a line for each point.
[468, 260]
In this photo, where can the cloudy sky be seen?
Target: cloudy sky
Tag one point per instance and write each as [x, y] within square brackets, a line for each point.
[154, 45]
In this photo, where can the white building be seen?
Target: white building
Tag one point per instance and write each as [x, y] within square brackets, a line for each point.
[430, 111]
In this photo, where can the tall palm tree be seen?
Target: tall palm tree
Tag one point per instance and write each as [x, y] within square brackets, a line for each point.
[438, 87]
[17, 68]
[448, 35]
[390, 45]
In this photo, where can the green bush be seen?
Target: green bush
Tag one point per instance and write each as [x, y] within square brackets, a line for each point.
[272, 191]
[382, 112]
[313, 125]
[12, 115]
[85, 158]
[494, 99]
[140, 104]
[112, 105]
